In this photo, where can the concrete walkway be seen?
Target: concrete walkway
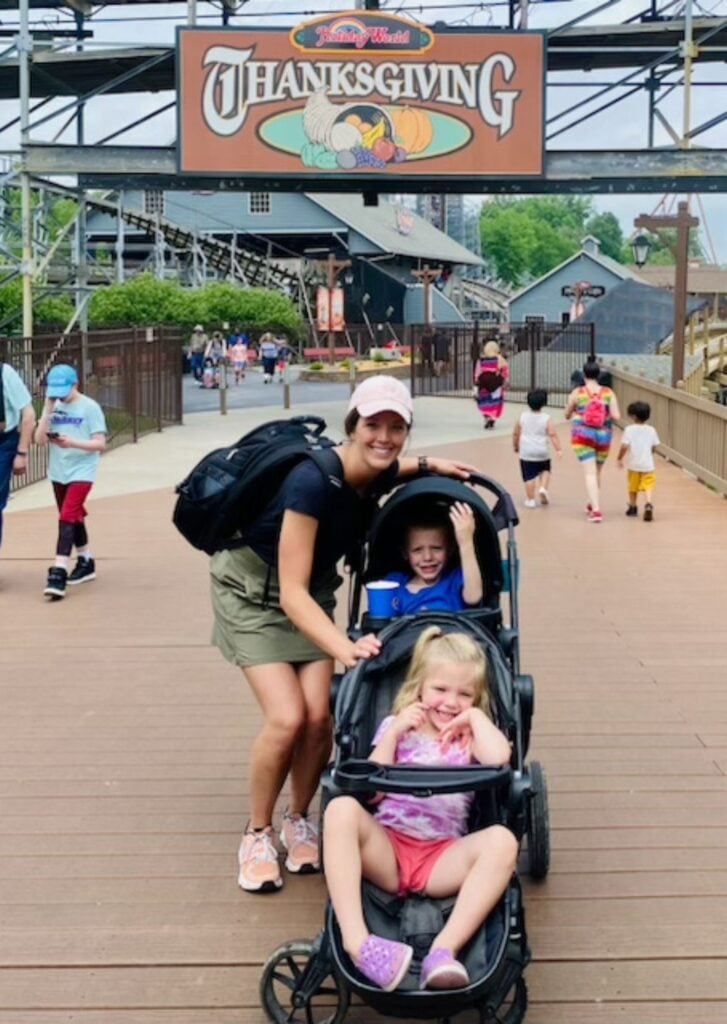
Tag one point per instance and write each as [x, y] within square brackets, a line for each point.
[124, 739]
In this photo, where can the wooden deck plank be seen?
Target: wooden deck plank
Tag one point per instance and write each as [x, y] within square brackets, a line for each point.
[122, 796]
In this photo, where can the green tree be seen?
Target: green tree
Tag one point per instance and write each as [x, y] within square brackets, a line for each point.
[525, 238]
[606, 228]
[51, 311]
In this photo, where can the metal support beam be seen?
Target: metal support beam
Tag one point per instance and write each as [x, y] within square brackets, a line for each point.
[24, 47]
[591, 171]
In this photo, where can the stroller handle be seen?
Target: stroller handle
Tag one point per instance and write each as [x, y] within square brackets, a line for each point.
[361, 776]
[505, 504]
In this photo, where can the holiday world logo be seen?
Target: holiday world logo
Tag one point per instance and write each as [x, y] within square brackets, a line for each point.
[361, 31]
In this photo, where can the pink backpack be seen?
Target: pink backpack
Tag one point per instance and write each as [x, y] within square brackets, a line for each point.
[594, 414]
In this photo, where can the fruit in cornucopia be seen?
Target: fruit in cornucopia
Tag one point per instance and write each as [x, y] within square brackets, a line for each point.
[372, 135]
[384, 149]
[412, 128]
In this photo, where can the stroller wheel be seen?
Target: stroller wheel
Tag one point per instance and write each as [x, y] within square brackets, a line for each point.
[512, 1010]
[538, 824]
[300, 983]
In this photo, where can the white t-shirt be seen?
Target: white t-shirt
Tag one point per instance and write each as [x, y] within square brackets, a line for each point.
[641, 439]
[534, 443]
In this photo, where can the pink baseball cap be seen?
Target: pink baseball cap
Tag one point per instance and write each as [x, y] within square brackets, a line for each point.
[382, 394]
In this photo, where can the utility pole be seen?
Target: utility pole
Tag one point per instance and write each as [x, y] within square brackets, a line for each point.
[683, 222]
[24, 47]
[332, 267]
[427, 276]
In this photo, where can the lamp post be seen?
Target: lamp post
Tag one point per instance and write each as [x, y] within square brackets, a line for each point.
[332, 267]
[683, 222]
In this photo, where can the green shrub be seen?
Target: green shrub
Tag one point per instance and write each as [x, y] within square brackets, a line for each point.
[317, 365]
[378, 357]
[146, 301]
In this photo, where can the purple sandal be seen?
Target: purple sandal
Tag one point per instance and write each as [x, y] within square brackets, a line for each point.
[441, 970]
[384, 962]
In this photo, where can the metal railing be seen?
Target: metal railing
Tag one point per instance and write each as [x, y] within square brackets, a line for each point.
[134, 373]
[692, 431]
[539, 355]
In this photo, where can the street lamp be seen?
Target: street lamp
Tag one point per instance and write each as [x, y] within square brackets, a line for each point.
[640, 247]
[683, 222]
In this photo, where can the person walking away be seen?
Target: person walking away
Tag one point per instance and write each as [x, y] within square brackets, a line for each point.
[197, 348]
[415, 844]
[268, 355]
[440, 343]
[490, 380]
[445, 574]
[533, 435]
[17, 420]
[637, 448]
[593, 409]
[75, 428]
[283, 356]
[273, 598]
[215, 349]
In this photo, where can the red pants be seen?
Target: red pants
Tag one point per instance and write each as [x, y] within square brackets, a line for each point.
[70, 499]
[415, 859]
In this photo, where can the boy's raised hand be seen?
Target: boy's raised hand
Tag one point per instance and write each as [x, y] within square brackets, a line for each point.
[463, 521]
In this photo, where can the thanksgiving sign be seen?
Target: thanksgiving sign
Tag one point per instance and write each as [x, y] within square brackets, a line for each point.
[363, 94]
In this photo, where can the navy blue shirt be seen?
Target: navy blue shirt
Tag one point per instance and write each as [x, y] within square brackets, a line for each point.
[342, 514]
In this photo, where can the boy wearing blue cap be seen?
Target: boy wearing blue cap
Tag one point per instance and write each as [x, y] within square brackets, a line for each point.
[75, 428]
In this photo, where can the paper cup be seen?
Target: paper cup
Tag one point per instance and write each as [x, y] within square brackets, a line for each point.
[381, 598]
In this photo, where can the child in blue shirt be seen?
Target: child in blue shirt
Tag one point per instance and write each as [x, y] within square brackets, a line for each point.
[435, 583]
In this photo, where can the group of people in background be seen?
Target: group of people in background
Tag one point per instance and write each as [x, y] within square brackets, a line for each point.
[207, 355]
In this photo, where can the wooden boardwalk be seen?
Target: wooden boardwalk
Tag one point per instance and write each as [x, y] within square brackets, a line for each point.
[123, 756]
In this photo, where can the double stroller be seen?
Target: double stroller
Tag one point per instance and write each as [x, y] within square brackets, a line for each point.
[312, 981]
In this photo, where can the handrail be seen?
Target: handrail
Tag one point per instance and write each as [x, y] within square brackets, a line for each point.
[692, 431]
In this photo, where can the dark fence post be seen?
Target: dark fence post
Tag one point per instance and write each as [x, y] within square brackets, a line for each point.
[135, 385]
[157, 353]
[410, 341]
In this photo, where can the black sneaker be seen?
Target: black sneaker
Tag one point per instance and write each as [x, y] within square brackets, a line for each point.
[55, 588]
[632, 510]
[649, 513]
[85, 570]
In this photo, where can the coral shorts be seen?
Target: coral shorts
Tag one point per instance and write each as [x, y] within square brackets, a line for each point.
[415, 859]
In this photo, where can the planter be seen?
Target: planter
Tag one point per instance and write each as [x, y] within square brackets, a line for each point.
[367, 369]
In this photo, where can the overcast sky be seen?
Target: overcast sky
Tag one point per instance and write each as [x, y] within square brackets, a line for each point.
[623, 126]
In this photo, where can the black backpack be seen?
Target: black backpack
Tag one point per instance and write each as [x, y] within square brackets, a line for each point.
[227, 491]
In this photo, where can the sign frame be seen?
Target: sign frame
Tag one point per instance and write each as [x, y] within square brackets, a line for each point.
[373, 180]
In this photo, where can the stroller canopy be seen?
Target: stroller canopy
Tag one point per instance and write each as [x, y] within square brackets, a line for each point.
[420, 501]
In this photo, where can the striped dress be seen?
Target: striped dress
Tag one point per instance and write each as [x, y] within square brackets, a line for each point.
[591, 442]
[491, 403]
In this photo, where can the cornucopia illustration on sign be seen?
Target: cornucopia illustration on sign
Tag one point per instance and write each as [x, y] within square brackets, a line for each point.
[361, 135]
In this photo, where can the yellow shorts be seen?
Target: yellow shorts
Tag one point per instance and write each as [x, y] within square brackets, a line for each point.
[641, 481]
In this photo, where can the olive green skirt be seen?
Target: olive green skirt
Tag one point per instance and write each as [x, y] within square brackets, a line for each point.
[251, 628]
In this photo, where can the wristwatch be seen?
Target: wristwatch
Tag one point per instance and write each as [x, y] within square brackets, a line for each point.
[423, 464]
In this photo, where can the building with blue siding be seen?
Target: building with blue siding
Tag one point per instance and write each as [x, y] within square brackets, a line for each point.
[544, 300]
[294, 229]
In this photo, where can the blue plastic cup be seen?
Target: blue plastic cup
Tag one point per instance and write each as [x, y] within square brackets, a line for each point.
[381, 598]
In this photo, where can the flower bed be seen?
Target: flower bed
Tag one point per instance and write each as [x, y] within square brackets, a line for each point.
[338, 374]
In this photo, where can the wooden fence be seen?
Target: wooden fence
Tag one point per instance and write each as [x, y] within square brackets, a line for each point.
[692, 431]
